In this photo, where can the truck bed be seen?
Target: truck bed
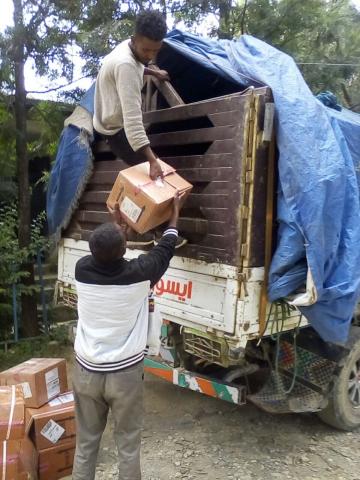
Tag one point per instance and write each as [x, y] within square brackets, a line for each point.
[218, 146]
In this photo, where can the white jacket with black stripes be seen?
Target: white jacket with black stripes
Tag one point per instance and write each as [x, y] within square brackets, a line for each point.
[113, 306]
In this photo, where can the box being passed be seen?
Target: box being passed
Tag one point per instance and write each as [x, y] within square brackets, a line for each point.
[146, 204]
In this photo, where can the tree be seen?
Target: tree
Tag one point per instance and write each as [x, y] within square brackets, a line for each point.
[314, 32]
[319, 34]
[42, 32]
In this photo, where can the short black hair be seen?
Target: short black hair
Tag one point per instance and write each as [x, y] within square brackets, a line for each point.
[107, 243]
[151, 24]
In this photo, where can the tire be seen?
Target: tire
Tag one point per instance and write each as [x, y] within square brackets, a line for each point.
[343, 409]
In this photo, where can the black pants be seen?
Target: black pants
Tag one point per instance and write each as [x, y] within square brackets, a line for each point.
[121, 147]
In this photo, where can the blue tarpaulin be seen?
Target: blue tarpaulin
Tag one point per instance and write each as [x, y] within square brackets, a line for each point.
[318, 194]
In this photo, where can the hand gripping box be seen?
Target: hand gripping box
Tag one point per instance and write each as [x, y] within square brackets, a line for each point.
[53, 423]
[12, 413]
[41, 379]
[144, 203]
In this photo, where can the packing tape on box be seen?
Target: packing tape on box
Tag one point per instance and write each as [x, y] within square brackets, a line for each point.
[12, 409]
[151, 182]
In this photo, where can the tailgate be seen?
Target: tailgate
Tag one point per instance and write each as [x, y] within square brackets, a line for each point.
[191, 293]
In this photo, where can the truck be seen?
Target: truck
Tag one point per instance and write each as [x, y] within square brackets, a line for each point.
[220, 335]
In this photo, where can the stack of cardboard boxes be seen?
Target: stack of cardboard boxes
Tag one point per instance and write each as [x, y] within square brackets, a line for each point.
[18, 458]
[37, 421]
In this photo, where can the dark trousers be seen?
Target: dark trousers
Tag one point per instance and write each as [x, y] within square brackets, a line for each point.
[121, 147]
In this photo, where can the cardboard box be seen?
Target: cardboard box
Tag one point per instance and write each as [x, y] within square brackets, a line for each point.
[41, 378]
[28, 460]
[146, 204]
[56, 462]
[18, 460]
[53, 423]
[12, 413]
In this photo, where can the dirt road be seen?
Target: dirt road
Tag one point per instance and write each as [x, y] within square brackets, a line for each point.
[191, 436]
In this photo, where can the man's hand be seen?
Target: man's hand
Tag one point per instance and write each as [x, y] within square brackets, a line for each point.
[162, 75]
[155, 170]
[118, 218]
[115, 213]
[176, 209]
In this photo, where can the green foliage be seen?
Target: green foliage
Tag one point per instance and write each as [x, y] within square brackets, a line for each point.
[49, 28]
[12, 259]
[7, 140]
[52, 346]
[45, 122]
[313, 31]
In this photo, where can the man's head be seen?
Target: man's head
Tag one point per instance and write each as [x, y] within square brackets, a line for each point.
[107, 243]
[150, 30]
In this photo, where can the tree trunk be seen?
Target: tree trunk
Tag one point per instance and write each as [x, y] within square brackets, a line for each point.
[29, 323]
[224, 19]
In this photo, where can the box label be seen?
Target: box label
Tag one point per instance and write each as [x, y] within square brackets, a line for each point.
[130, 209]
[52, 431]
[52, 383]
[68, 397]
[26, 390]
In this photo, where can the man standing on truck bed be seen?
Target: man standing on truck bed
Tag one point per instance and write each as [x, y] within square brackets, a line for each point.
[110, 341]
[117, 110]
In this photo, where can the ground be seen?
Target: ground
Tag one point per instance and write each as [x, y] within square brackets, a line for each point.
[190, 436]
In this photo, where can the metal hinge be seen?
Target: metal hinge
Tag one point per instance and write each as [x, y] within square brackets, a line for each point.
[244, 212]
[244, 249]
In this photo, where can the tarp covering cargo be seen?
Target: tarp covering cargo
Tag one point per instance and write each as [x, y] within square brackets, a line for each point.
[317, 259]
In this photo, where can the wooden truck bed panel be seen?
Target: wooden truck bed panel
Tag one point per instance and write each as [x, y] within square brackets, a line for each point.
[216, 145]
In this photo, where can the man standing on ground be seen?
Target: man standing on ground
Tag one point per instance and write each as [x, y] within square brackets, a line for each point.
[118, 116]
[110, 341]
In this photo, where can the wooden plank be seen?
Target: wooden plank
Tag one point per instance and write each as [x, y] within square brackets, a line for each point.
[209, 201]
[200, 161]
[95, 197]
[214, 213]
[167, 90]
[191, 136]
[217, 187]
[193, 225]
[109, 166]
[203, 253]
[217, 228]
[103, 177]
[194, 175]
[199, 109]
[269, 225]
[149, 88]
[225, 146]
[92, 216]
[233, 117]
[153, 101]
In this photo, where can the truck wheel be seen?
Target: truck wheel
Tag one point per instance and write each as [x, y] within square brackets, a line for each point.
[343, 409]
